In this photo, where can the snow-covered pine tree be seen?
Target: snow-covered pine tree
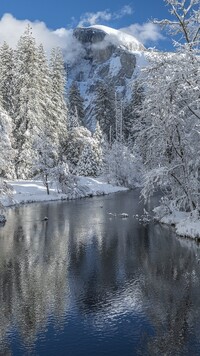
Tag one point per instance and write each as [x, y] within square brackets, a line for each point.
[60, 112]
[104, 109]
[132, 112]
[118, 118]
[98, 135]
[28, 113]
[49, 127]
[45, 87]
[6, 150]
[78, 137]
[98, 145]
[48, 162]
[73, 119]
[88, 164]
[76, 104]
[6, 82]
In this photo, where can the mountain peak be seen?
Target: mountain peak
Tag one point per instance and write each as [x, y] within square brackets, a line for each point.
[98, 33]
[108, 56]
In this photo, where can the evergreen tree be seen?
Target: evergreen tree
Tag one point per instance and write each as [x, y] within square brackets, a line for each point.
[104, 110]
[88, 163]
[76, 104]
[49, 125]
[90, 158]
[98, 146]
[58, 77]
[78, 137]
[45, 88]
[6, 150]
[49, 146]
[118, 119]
[98, 135]
[132, 112]
[73, 119]
[6, 82]
[28, 114]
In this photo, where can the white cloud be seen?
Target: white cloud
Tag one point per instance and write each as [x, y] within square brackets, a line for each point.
[126, 10]
[94, 18]
[11, 29]
[91, 18]
[145, 32]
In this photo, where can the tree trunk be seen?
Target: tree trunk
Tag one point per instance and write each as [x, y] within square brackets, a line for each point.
[46, 183]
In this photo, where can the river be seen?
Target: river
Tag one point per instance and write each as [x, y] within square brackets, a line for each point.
[89, 283]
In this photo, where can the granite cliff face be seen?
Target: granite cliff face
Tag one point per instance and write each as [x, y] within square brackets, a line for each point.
[88, 35]
[107, 55]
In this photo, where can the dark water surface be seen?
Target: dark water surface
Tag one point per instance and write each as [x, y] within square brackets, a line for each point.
[83, 283]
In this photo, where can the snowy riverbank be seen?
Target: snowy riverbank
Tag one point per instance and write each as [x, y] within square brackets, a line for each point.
[185, 225]
[30, 191]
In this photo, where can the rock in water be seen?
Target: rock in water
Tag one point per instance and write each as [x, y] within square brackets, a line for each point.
[123, 215]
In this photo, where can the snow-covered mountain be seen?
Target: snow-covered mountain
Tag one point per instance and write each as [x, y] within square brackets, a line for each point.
[106, 55]
[98, 33]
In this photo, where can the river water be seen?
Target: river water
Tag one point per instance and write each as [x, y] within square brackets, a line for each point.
[89, 283]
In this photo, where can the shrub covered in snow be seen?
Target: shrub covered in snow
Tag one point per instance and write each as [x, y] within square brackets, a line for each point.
[78, 137]
[123, 167]
[6, 193]
[63, 179]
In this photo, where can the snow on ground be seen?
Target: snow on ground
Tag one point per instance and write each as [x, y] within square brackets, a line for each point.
[188, 228]
[185, 224]
[29, 191]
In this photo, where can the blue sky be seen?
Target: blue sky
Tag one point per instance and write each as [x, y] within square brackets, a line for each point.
[66, 14]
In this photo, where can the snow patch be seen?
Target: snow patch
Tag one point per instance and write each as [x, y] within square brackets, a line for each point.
[34, 191]
[185, 224]
[115, 66]
[188, 228]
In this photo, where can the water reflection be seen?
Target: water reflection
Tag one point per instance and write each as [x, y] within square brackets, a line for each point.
[81, 265]
[33, 272]
[171, 288]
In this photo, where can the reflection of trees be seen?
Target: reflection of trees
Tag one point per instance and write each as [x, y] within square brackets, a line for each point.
[45, 265]
[151, 270]
[103, 267]
[169, 290]
[33, 272]
[34, 264]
